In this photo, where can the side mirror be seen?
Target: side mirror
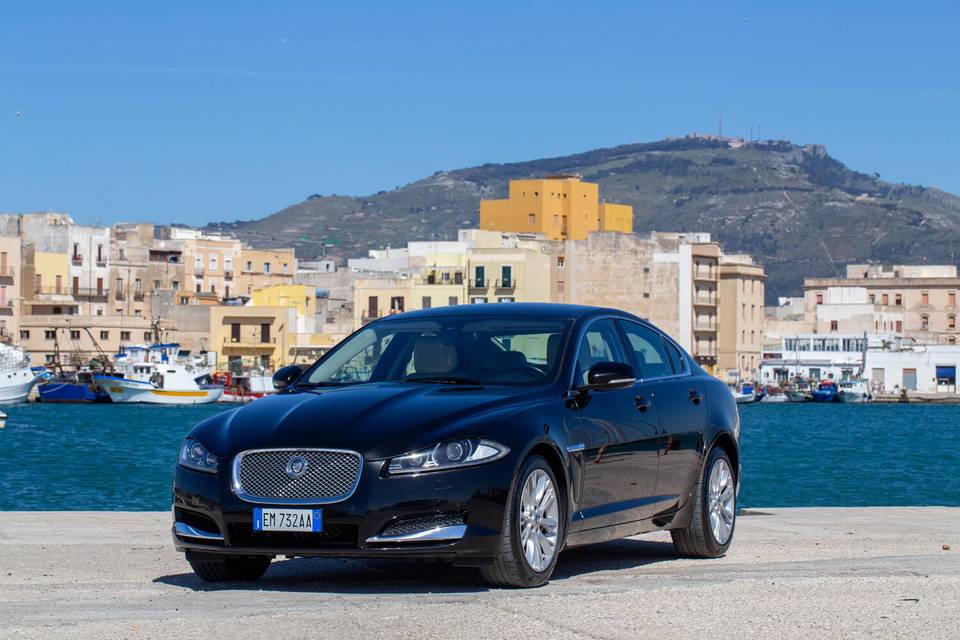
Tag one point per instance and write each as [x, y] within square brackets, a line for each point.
[610, 375]
[286, 376]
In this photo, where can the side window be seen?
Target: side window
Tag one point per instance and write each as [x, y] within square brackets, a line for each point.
[676, 358]
[648, 351]
[600, 343]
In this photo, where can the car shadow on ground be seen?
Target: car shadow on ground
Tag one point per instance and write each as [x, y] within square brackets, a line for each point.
[332, 575]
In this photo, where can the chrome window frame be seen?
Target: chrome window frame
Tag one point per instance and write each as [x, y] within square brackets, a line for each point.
[665, 339]
[237, 486]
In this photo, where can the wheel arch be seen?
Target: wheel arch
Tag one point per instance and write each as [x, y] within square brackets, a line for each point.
[550, 452]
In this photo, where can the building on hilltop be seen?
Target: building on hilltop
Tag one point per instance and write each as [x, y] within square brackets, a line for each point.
[557, 207]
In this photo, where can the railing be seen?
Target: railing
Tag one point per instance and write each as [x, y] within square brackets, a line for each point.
[89, 292]
[102, 263]
[248, 340]
[479, 284]
[118, 295]
[705, 325]
[705, 274]
[51, 291]
[77, 260]
[7, 272]
[707, 300]
[198, 271]
[138, 296]
[206, 295]
[507, 284]
[228, 274]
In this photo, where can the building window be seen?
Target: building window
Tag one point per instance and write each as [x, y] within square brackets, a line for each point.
[426, 302]
[50, 334]
[372, 304]
[24, 334]
[199, 286]
[213, 262]
[646, 294]
[249, 265]
[873, 298]
[560, 261]
[506, 276]
[898, 299]
[531, 219]
[266, 268]
[228, 264]
[819, 298]
[952, 299]
[834, 325]
[74, 334]
[198, 263]
[104, 335]
[505, 299]
[924, 322]
[124, 335]
[479, 276]
[951, 321]
[924, 298]
[478, 299]
[453, 301]
[284, 267]
[396, 304]
[176, 285]
[156, 285]
[886, 298]
[147, 335]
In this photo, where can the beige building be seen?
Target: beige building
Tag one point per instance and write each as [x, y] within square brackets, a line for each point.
[9, 287]
[79, 338]
[741, 318]
[261, 268]
[912, 301]
[210, 268]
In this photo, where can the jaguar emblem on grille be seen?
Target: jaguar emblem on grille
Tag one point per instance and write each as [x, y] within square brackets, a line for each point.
[296, 467]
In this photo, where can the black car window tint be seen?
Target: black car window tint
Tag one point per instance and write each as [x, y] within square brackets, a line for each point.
[649, 354]
[600, 343]
[677, 360]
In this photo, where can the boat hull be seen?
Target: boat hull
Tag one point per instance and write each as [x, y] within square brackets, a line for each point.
[135, 392]
[71, 392]
[775, 398]
[16, 387]
[854, 397]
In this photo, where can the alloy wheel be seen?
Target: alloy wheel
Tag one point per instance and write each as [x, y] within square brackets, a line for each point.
[722, 501]
[539, 520]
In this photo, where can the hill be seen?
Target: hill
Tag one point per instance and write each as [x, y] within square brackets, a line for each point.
[797, 210]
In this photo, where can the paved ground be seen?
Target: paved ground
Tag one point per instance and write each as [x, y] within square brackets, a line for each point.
[791, 573]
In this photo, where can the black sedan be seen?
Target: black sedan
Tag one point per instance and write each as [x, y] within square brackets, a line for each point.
[490, 435]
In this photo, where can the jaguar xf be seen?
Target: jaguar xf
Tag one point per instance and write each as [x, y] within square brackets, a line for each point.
[492, 436]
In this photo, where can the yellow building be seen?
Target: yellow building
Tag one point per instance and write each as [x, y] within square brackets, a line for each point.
[298, 296]
[263, 268]
[251, 336]
[559, 207]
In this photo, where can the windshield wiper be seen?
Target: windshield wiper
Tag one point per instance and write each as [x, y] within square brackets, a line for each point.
[443, 379]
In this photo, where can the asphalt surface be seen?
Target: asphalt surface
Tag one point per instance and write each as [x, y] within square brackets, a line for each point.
[882, 573]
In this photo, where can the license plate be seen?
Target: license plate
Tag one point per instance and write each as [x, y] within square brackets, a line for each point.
[310, 520]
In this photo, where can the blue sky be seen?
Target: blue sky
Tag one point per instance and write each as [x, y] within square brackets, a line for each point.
[179, 112]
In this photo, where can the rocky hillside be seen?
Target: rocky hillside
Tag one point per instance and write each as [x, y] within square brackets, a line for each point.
[796, 209]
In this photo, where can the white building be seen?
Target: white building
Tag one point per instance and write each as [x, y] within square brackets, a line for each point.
[813, 356]
[920, 368]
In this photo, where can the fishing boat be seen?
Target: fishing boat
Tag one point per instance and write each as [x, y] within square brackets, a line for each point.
[17, 379]
[855, 390]
[160, 383]
[745, 395]
[826, 391]
[243, 387]
[774, 394]
[78, 386]
[798, 391]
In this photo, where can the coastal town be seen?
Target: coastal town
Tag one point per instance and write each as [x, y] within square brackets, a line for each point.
[89, 300]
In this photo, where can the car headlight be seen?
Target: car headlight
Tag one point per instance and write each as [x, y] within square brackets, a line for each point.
[463, 452]
[194, 455]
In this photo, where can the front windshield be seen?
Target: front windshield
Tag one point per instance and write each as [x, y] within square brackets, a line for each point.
[454, 350]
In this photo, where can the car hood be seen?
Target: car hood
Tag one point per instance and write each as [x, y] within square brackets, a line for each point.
[378, 420]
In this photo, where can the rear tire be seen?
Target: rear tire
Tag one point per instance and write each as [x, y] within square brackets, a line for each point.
[714, 513]
[229, 568]
[511, 567]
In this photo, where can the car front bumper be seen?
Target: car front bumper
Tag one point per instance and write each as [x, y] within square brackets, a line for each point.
[467, 505]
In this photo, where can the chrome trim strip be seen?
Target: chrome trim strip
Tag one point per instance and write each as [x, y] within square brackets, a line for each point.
[246, 497]
[573, 448]
[186, 531]
[437, 534]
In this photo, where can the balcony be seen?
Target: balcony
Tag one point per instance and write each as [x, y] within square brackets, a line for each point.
[102, 263]
[118, 295]
[706, 275]
[76, 260]
[250, 344]
[503, 285]
[198, 271]
[228, 274]
[52, 293]
[90, 292]
[705, 300]
[206, 295]
[6, 308]
[7, 272]
[138, 296]
[705, 325]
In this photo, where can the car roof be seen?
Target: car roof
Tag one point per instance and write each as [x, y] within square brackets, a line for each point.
[511, 309]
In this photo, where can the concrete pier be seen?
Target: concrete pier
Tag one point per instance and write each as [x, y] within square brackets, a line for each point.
[791, 573]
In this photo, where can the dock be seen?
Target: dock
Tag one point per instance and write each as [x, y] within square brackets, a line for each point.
[791, 573]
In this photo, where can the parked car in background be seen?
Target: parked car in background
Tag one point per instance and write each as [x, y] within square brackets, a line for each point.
[492, 436]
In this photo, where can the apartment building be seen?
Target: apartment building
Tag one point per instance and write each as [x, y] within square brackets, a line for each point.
[913, 301]
[144, 261]
[741, 316]
[559, 207]
[261, 268]
[76, 339]
[209, 267]
[9, 287]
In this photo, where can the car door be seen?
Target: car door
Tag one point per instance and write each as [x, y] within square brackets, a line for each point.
[681, 408]
[619, 436]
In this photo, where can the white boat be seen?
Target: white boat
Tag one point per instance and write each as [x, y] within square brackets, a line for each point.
[160, 383]
[775, 397]
[854, 391]
[3, 419]
[16, 376]
[744, 398]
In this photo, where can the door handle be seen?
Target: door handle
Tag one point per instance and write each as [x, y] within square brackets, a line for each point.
[695, 396]
[641, 403]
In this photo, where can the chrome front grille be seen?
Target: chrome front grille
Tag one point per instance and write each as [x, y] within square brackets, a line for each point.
[330, 475]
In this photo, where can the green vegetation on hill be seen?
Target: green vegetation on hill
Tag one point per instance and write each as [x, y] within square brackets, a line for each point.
[798, 211]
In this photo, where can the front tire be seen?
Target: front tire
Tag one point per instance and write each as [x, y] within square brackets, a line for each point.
[715, 512]
[229, 568]
[533, 530]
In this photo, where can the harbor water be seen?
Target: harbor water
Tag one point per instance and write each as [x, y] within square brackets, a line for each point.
[120, 457]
